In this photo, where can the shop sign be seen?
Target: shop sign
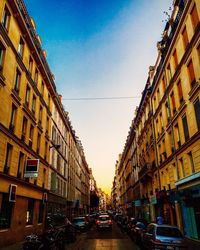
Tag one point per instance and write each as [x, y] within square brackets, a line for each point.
[31, 168]
[12, 193]
[153, 200]
[137, 203]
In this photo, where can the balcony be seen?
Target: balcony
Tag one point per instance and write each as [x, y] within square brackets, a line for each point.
[145, 173]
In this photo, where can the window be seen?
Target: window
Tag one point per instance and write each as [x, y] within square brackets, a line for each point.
[173, 102]
[182, 167]
[185, 37]
[46, 150]
[8, 158]
[20, 165]
[169, 232]
[161, 122]
[157, 127]
[191, 162]
[2, 53]
[29, 212]
[42, 89]
[31, 132]
[21, 47]
[175, 59]
[44, 177]
[191, 73]
[53, 135]
[13, 118]
[49, 100]
[177, 135]
[30, 65]
[169, 73]
[5, 211]
[27, 97]
[6, 18]
[17, 81]
[180, 92]
[24, 127]
[58, 163]
[164, 84]
[185, 128]
[36, 76]
[40, 115]
[33, 104]
[158, 95]
[197, 112]
[47, 125]
[167, 111]
[41, 212]
[155, 104]
[38, 143]
[194, 16]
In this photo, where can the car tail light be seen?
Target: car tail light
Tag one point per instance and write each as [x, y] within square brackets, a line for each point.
[110, 221]
[98, 221]
[157, 241]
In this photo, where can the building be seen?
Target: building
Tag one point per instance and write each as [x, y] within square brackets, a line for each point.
[166, 129]
[42, 165]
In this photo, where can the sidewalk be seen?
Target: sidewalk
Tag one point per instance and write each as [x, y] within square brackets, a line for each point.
[193, 244]
[69, 246]
[16, 246]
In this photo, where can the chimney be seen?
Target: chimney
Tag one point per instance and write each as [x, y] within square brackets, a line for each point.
[60, 97]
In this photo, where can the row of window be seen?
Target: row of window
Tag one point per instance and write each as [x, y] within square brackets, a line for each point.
[14, 120]
[168, 77]
[5, 22]
[190, 67]
[160, 121]
[9, 159]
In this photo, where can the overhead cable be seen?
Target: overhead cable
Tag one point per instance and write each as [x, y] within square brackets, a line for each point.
[100, 98]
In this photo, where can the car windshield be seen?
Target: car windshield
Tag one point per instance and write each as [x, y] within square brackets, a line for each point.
[78, 219]
[103, 218]
[168, 231]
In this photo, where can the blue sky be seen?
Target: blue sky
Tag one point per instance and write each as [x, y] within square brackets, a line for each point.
[100, 49]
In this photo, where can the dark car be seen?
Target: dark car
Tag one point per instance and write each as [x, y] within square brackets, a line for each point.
[137, 231]
[104, 222]
[163, 237]
[80, 223]
[132, 224]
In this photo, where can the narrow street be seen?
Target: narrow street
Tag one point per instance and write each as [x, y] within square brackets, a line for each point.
[103, 240]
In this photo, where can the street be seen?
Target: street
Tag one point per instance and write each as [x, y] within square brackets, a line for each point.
[103, 240]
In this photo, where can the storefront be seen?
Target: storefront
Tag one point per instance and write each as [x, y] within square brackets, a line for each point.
[190, 207]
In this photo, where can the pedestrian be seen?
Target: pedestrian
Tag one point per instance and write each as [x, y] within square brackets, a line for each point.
[160, 220]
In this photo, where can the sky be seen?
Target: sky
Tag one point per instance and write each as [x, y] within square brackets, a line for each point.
[100, 48]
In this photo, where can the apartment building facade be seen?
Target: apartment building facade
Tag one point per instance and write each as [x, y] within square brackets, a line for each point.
[39, 154]
[166, 127]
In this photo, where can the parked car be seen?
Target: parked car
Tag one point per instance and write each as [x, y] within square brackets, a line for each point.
[103, 222]
[163, 237]
[80, 223]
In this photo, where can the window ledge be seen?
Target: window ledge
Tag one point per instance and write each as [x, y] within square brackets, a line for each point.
[194, 90]
[188, 178]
